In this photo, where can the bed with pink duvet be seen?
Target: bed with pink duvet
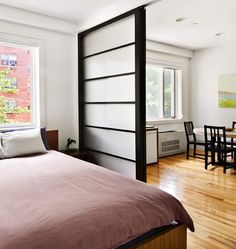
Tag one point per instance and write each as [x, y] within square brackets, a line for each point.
[54, 201]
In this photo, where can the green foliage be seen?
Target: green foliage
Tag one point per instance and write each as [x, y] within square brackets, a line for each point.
[167, 94]
[7, 88]
[16, 110]
[3, 119]
[158, 89]
[5, 82]
[152, 98]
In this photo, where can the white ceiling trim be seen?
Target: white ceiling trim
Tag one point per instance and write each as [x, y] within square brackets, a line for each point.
[33, 19]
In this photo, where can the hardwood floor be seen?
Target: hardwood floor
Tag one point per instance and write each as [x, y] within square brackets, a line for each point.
[209, 196]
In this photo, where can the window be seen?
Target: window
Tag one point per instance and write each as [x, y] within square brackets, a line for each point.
[18, 85]
[9, 60]
[163, 95]
[10, 104]
[10, 86]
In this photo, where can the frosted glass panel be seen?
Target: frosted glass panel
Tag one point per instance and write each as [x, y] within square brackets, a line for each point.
[114, 62]
[119, 165]
[111, 89]
[110, 36]
[112, 142]
[112, 116]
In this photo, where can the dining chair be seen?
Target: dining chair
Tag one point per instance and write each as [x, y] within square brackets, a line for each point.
[216, 143]
[232, 140]
[192, 140]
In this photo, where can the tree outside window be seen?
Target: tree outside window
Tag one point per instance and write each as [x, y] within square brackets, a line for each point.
[161, 92]
[15, 79]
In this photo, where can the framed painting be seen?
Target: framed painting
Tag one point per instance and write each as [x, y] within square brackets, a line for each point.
[227, 91]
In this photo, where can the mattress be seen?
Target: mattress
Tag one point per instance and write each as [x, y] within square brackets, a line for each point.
[54, 201]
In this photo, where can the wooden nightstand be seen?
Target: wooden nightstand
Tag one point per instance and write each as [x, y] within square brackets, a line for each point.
[80, 154]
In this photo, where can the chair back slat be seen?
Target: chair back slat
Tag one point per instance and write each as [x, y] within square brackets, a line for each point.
[188, 126]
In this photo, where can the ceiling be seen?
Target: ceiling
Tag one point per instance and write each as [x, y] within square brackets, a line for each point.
[71, 10]
[204, 18]
[77, 11]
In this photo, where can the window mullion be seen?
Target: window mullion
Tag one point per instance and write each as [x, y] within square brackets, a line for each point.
[173, 95]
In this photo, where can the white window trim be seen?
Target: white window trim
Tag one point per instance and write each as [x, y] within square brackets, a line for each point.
[40, 119]
[178, 92]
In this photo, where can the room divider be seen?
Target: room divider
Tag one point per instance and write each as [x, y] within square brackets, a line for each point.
[112, 93]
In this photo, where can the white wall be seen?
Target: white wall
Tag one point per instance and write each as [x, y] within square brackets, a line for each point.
[206, 67]
[33, 19]
[59, 67]
[170, 55]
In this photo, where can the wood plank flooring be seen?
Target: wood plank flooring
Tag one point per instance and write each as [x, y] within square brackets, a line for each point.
[209, 196]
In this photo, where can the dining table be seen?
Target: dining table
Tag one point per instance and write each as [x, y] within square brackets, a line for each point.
[229, 132]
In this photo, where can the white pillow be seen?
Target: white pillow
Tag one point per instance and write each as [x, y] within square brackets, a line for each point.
[18, 143]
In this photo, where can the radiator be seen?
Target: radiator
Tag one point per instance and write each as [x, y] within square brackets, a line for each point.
[171, 142]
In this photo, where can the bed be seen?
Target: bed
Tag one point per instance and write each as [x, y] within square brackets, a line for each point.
[54, 201]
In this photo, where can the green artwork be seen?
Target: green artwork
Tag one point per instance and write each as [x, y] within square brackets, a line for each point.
[227, 91]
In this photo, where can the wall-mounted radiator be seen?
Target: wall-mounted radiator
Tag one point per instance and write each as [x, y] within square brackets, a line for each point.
[171, 142]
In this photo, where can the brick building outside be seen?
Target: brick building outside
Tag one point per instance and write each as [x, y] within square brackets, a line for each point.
[17, 96]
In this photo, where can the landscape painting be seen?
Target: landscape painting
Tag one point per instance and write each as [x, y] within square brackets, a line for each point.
[227, 91]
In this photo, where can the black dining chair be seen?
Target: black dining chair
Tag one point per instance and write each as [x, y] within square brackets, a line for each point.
[234, 124]
[216, 144]
[232, 141]
[192, 140]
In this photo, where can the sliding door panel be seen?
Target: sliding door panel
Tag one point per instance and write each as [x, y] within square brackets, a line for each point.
[111, 115]
[111, 89]
[112, 93]
[124, 167]
[115, 62]
[121, 144]
[112, 36]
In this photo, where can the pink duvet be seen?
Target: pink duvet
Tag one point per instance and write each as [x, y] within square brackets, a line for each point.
[54, 201]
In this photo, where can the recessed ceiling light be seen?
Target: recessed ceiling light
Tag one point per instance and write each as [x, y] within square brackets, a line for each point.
[220, 33]
[195, 23]
[181, 19]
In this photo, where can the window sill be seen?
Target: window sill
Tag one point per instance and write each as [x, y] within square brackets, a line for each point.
[165, 121]
[15, 128]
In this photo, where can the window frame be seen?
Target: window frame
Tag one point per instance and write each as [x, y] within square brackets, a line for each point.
[38, 80]
[178, 83]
